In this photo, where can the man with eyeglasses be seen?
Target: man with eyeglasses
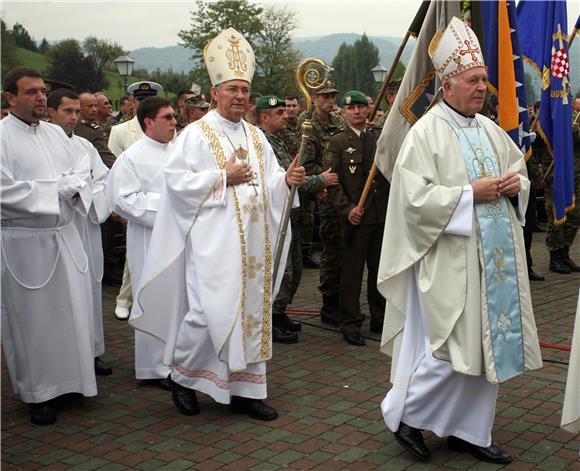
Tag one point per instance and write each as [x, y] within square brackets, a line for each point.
[134, 189]
[207, 286]
[46, 287]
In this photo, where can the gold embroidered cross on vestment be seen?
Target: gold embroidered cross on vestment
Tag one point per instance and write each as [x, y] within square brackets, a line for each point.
[253, 208]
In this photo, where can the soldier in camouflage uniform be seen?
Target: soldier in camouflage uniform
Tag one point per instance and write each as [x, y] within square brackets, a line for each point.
[324, 124]
[104, 118]
[390, 95]
[559, 238]
[182, 95]
[271, 115]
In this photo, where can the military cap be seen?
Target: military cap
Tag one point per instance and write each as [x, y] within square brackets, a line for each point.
[269, 102]
[196, 101]
[329, 86]
[144, 89]
[394, 86]
[52, 85]
[354, 97]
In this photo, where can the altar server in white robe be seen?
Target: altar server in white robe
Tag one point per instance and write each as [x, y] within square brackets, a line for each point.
[47, 332]
[459, 317]
[134, 190]
[63, 110]
[207, 287]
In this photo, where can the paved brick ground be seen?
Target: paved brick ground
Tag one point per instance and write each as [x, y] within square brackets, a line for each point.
[328, 395]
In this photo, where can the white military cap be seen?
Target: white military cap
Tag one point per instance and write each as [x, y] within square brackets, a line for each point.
[229, 56]
[144, 89]
[455, 50]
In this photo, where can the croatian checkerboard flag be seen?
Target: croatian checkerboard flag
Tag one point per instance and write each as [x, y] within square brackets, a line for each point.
[544, 43]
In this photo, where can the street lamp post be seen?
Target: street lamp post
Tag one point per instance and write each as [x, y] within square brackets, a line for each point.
[125, 68]
[380, 73]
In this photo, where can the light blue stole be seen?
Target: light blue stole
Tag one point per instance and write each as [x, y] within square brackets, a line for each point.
[499, 263]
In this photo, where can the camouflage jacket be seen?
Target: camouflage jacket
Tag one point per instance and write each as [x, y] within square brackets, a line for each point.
[317, 144]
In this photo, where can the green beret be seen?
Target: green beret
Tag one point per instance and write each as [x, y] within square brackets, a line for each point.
[354, 97]
[269, 101]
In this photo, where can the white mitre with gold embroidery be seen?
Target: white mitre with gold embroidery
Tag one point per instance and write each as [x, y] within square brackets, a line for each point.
[455, 50]
[229, 56]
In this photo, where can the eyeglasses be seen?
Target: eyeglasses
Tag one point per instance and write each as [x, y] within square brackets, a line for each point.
[166, 117]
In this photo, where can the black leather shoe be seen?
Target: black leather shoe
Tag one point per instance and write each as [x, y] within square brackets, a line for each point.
[328, 312]
[163, 383]
[101, 368]
[42, 413]
[310, 262]
[354, 338]
[411, 439]
[281, 335]
[566, 260]
[183, 398]
[556, 263]
[533, 276]
[376, 327]
[491, 454]
[255, 408]
[290, 324]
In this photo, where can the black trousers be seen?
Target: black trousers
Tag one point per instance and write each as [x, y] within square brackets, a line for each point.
[361, 246]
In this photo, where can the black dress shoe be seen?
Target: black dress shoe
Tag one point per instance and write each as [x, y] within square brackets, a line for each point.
[533, 276]
[42, 413]
[163, 383]
[491, 454]
[291, 325]
[183, 398]
[376, 327]
[101, 368]
[281, 335]
[255, 408]
[354, 338]
[310, 262]
[411, 439]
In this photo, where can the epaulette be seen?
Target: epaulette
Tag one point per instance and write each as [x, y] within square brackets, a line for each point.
[94, 125]
[336, 131]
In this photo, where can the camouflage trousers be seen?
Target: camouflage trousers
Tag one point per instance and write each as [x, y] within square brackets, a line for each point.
[293, 270]
[307, 206]
[561, 236]
[331, 258]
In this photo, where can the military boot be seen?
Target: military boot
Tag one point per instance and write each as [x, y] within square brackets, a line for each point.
[308, 260]
[557, 265]
[328, 313]
[565, 256]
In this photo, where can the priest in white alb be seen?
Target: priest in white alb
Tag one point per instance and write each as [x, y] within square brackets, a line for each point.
[63, 109]
[47, 332]
[459, 319]
[134, 190]
[207, 286]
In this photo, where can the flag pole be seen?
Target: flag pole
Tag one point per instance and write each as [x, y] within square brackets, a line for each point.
[411, 31]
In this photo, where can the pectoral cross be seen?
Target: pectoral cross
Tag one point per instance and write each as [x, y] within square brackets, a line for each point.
[469, 50]
[254, 267]
[253, 208]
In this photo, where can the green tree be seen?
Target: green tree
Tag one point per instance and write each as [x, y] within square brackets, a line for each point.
[344, 68]
[43, 47]
[8, 57]
[23, 38]
[276, 58]
[102, 52]
[67, 63]
[210, 19]
[366, 57]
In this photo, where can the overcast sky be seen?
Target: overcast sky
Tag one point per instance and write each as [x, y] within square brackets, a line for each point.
[136, 24]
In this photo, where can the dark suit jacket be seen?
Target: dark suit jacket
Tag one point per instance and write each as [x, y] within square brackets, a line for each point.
[345, 156]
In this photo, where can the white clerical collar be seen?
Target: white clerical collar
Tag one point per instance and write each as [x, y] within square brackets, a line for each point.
[463, 121]
[155, 144]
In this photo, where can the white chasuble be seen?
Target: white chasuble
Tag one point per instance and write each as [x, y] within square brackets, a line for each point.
[89, 227]
[47, 334]
[217, 242]
[134, 190]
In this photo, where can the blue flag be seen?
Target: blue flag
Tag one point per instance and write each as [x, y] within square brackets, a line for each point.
[544, 43]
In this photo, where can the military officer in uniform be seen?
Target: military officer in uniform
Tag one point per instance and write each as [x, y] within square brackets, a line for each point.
[90, 130]
[272, 117]
[324, 124]
[196, 107]
[351, 154]
[390, 95]
[182, 96]
[104, 114]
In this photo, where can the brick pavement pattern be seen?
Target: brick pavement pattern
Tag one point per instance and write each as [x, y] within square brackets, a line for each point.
[327, 392]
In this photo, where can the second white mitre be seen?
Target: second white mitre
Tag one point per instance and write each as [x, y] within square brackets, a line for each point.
[229, 56]
[455, 50]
